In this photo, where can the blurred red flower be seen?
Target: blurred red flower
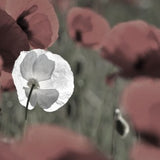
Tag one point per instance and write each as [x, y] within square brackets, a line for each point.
[6, 81]
[141, 102]
[44, 142]
[12, 39]
[6, 152]
[2, 4]
[134, 46]
[87, 27]
[37, 19]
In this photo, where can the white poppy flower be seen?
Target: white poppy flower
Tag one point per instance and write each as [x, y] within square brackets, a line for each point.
[51, 76]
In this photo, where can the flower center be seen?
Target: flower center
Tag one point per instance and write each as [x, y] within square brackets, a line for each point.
[32, 82]
[23, 23]
[78, 36]
[139, 64]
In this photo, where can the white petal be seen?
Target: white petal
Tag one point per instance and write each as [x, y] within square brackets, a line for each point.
[61, 80]
[19, 81]
[27, 64]
[47, 97]
[33, 98]
[43, 68]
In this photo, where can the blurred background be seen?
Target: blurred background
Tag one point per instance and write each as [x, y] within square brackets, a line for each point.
[90, 109]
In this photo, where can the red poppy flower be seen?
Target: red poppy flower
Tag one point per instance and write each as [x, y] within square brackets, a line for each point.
[87, 27]
[37, 19]
[13, 40]
[142, 151]
[140, 100]
[55, 143]
[134, 47]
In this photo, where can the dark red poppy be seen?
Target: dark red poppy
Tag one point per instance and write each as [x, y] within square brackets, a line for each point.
[37, 19]
[44, 142]
[6, 81]
[12, 40]
[134, 46]
[142, 151]
[141, 102]
[87, 27]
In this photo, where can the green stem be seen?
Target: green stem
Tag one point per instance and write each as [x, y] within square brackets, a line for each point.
[29, 97]
[113, 139]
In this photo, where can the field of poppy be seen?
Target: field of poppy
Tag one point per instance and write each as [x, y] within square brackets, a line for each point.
[113, 50]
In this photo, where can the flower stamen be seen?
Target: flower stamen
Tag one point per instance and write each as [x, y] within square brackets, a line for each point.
[32, 82]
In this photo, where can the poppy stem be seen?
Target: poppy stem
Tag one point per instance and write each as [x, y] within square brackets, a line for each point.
[29, 97]
[113, 139]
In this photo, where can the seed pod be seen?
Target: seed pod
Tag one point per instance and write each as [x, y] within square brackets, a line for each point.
[122, 127]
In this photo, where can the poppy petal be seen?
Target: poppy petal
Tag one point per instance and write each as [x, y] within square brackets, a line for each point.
[2, 4]
[44, 142]
[26, 66]
[87, 27]
[6, 81]
[37, 19]
[134, 47]
[140, 100]
[6, 152]
[33, 98]
[142, 151]
[13, 40]
[43, 68]
[47, 97]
